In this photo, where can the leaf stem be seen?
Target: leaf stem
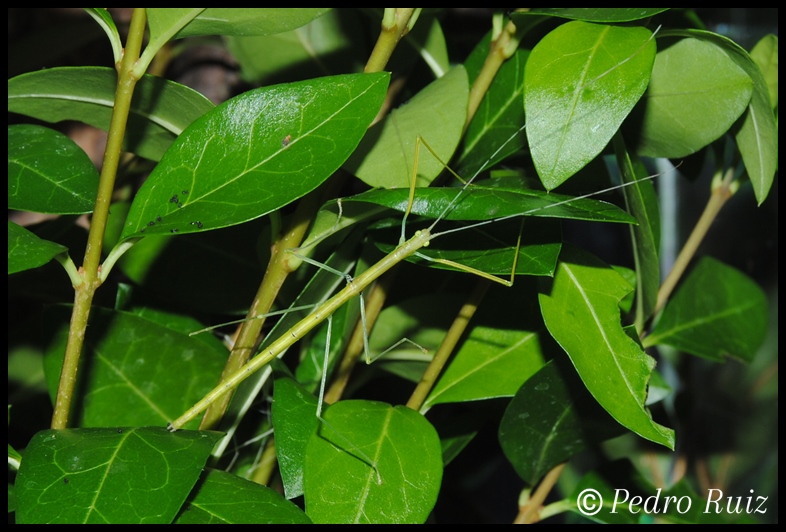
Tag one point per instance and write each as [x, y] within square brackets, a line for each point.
[90, 271]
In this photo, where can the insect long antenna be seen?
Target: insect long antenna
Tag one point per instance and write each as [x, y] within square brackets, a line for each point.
[469, 181]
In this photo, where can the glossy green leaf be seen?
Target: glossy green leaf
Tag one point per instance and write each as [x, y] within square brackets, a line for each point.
[428, 41]
[386, 156]
[165, 23]
[593, 14]
[223, 498]
[160, 111]
[549, 421]
[48, 172]
[501, 351]
[581, 81]
[499, 117]
[27, 251]
[134, 370]
[480, 202]
[104, 19]
[117, 475]
[256, 153]
[581, 311]
[495, 253]
[342, 487]
[716, 311]
[689, 105]
[248, 21]
[294, 420]
[642, 201]
[757, 137]
[325, 46]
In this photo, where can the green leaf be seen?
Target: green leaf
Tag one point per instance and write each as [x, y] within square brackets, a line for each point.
[501, 352]
[757, 137]
[165, 23]
[593, 14]
[256, 153]
[26, 251]
[325, 46]
[118, 475]
[499, 117]
[48, 172]
[581, 311]
[387, 154]
[581, 81]
[341, 486]
[427, 40]
[104, 19]
[481, 202]
[549, 421]
[223, 498]
[765, 55]
[160, 111]
[689, 105]
[294, 420]
[642, 201]
[248, 21]
[135, 371]
[716, 311]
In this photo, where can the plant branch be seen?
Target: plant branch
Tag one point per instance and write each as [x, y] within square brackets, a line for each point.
[277, 271]
[396, 23]
[90, 270]
[502, 48]
[529, 513]
[720, 195]
[447, 346]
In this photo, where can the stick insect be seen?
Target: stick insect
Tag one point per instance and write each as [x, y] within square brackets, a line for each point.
[405, 249]
[354, 287]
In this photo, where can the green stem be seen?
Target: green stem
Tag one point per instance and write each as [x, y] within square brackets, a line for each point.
[530, 512]
[720, 195]
[396, 23]
[447, 346]
[502, 48]
[277, 272]
[90, 271]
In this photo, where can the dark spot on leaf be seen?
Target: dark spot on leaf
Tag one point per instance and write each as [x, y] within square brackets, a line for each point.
[184, 192]
[199, 225]
[174, 230]
[173, 199]
[158, 218]
[120, 431]
[150, 224]
[65, 480]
